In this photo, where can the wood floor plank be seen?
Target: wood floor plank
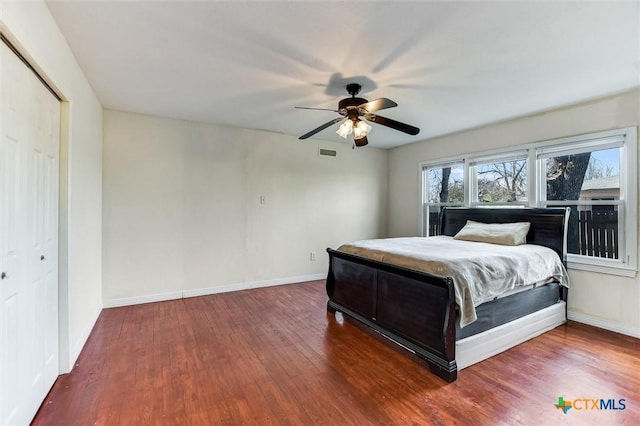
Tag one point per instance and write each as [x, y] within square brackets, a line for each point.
[273, 356]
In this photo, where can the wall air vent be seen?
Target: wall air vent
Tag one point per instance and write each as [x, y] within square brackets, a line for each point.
[328, 152]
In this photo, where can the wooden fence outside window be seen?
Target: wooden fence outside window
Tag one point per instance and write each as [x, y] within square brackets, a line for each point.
[597, 232]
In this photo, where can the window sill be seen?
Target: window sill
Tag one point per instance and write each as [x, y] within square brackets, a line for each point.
[619, 270]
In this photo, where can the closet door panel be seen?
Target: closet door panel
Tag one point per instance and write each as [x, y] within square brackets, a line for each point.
[13, 244]
[29, 131]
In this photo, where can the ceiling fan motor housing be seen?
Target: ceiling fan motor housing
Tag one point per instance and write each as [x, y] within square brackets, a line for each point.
[354, 103]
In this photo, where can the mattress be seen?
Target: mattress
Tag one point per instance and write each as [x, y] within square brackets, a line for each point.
[480, 272]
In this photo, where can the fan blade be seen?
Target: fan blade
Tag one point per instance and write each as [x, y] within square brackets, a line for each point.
[378, 104]
[406, 128]
[318, 109]
[324, 126]
[361, 142]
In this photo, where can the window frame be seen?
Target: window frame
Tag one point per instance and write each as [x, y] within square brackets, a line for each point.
[626, 140]
[496, 158]
[535, 153]
[424, 188]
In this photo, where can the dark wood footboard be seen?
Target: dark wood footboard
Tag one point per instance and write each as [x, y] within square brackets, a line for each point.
[414, 309]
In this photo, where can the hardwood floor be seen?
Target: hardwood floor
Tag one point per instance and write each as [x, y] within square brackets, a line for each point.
[274, 356]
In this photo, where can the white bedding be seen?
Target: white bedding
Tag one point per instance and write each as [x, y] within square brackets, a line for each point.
[480, 271]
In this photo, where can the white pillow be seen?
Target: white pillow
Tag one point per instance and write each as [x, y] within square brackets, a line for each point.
[508, 234]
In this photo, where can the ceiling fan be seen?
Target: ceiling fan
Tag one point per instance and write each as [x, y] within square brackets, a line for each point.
[351, 109]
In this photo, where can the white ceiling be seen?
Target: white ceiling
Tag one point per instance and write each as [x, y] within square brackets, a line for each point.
[449, 65]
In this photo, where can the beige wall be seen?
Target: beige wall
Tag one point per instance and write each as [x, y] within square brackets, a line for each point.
[182, 211]
[30, 26]
[604, 300]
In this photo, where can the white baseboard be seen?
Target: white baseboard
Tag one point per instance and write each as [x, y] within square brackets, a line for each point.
[138, 300]
[253, 284]
[604, 324]
[160, 297]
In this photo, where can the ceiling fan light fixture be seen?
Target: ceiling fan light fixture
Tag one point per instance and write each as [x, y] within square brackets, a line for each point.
[361, 129]
[351, 109]
[345, 128]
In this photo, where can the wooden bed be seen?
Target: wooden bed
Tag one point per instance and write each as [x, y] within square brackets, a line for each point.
[417, 310]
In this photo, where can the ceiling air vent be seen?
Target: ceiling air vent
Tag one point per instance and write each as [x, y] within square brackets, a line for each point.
[328, 152]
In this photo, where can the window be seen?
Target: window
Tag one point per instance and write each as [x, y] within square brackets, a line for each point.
[444, 186]
[593, 175]
[499, 179]
[596, 177]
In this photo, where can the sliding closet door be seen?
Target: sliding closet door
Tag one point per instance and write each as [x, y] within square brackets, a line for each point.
[29, 128]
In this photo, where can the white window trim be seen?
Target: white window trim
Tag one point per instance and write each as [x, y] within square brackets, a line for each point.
[536, 189]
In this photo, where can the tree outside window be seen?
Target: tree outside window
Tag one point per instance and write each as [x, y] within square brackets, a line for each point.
[503, 182]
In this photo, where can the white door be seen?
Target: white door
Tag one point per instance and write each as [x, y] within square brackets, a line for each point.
[29, 127]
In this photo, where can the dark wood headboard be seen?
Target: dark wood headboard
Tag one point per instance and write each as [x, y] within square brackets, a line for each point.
[548, 225]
